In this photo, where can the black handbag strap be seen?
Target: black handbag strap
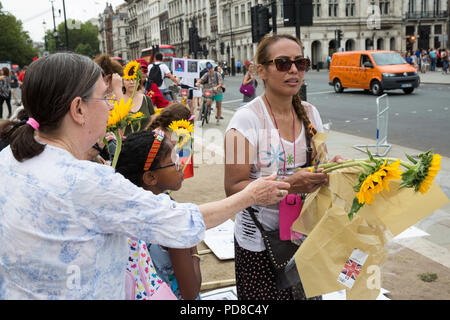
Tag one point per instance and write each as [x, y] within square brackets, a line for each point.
[258, 224]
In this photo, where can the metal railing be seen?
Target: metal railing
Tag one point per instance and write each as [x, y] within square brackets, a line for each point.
[426, 14]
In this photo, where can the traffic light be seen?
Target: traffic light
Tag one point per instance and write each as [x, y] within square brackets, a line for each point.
[222, 48]
[264, 17]
[255, 23]
[339, 37]
[191, 39]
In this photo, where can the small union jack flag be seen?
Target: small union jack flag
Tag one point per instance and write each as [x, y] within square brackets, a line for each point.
[351, 269]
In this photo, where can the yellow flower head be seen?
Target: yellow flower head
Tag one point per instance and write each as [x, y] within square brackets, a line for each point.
[158, 111]
[119, 112]
[131, 70]
[181, 124]
[378, 181]
[433, 170]
[137, 115]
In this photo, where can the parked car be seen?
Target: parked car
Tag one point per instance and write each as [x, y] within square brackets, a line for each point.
[374, 70]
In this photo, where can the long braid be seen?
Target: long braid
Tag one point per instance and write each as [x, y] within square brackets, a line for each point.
[303, 116]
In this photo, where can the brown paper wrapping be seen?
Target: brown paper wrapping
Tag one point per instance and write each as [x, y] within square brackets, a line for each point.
[332, 237]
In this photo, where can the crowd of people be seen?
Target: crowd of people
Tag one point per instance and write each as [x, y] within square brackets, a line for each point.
[428, 60]
[119, 226]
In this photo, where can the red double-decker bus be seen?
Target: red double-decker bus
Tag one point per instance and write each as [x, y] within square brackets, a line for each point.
[168, 52]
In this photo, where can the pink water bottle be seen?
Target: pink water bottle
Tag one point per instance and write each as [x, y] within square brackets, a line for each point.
[290, 208]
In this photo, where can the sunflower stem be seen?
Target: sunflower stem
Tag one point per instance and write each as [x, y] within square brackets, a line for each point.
[118, 148]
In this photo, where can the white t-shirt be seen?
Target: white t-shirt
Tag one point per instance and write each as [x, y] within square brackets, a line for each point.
[164, 71]
[254, 123]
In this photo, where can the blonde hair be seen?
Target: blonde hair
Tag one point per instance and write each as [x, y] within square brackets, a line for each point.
[262, 55]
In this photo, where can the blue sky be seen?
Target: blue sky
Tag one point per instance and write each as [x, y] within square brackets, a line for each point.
[34, 12]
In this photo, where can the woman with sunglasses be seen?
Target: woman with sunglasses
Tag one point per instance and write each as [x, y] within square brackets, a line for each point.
[270, 134]
[64, 221]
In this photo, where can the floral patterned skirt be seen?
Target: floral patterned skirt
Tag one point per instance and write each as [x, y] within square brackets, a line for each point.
[255, 279]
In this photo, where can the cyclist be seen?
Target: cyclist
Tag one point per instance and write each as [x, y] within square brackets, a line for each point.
[213, 80]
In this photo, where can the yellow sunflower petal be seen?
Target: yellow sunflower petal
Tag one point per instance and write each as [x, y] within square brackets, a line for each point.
[131, 70]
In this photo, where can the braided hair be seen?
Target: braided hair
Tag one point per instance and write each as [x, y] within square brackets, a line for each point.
[262, 55]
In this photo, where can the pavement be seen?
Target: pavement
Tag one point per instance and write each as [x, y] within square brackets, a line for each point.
[434, 77]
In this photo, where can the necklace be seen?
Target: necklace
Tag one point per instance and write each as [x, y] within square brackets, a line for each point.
[278, 130]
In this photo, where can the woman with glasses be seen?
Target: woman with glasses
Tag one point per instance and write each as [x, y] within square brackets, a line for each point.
[64, 221]
[270, 134]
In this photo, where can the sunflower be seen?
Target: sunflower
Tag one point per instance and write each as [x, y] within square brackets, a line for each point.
[119, 112]
[158, 111]
[421, 174]
[131, 70]
[378, 181]
[181, 124]
[433, 169]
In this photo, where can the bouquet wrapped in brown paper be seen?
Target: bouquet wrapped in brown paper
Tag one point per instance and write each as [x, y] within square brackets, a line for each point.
[347, 233]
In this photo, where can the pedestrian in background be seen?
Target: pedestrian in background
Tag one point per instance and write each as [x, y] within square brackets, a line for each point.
[250, 79]
[445, 61]
[14, 87]
[5, 91]
[433, 59]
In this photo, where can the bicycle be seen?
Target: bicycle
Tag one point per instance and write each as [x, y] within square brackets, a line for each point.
[205, 112]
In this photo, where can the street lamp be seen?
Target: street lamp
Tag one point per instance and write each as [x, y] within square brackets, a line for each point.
[233, 70]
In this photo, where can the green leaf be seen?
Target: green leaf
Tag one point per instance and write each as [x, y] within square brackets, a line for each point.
[411, 158]
[356, 206]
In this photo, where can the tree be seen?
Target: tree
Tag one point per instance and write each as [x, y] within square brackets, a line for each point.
[17, 45]
[83, 39]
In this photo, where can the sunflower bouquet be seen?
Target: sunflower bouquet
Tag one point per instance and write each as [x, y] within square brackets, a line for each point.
[375, 175]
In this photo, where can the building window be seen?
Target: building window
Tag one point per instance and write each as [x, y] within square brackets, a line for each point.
[333, 8]
[438, 29]
[436, 6]
[384, 7]
[424, 6]
[349, 8]
[316, 8]
[411, 6]
[243, 21]
[236, 16]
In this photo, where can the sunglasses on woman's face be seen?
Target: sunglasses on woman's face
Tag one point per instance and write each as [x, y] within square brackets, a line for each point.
[285, 64]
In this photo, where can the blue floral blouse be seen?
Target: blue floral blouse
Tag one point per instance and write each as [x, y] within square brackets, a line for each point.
[64, 225]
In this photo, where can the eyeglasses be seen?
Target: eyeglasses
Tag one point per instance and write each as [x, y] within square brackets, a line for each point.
[109, 98]
[285, 64]
[176, 164]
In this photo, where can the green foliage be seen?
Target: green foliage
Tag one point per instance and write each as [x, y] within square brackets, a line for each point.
[16, 44]
[82, 40]
[428, 277]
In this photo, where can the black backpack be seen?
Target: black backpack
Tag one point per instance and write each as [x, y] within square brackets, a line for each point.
[155, 75]
[205, 70]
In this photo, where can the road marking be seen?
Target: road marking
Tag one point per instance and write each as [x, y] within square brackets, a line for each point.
[397, 114]
[347, 121]
[322, 92]
[414, 112]
[430, 110]
[445, 109]
[231, 101]
[365, 119]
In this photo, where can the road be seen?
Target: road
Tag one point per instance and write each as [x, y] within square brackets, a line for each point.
[420, 120]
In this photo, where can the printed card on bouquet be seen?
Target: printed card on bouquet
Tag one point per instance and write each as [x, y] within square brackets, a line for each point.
[352, 268]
